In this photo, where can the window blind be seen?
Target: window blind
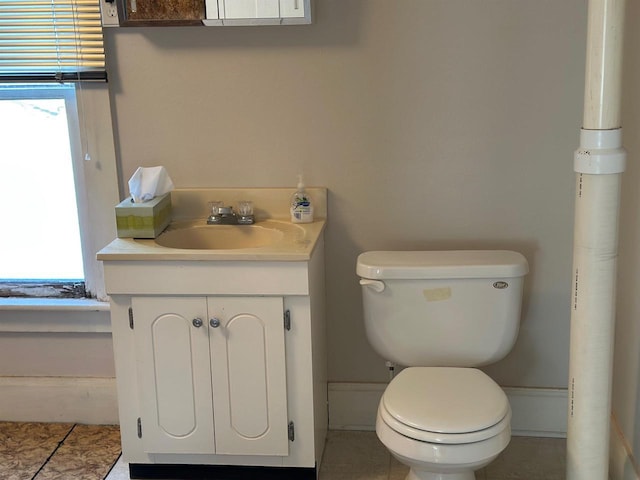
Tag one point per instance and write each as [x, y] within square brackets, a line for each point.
[51, 40]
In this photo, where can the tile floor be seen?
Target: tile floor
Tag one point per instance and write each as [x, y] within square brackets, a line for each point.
[55, 451]
[361, 456]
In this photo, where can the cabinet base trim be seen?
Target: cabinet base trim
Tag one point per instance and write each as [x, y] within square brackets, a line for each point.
[213, 472]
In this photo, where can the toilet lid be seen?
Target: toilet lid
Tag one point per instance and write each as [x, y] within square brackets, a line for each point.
[445, 400]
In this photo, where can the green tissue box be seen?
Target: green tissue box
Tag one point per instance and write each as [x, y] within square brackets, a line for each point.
[143, 220]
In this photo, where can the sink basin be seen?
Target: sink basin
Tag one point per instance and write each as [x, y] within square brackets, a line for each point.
[219, 237]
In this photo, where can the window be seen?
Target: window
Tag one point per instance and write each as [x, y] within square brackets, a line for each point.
[37, 188]
[57, 145]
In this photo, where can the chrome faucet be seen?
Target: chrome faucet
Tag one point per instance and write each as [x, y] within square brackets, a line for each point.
[224, 215]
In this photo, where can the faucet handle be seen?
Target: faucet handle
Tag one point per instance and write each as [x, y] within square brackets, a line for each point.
[245, 208]
[214, 206]
[245, 212]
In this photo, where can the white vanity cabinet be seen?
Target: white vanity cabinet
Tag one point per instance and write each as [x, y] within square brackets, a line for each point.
[211, 374]
[219, 363]
[220, 354]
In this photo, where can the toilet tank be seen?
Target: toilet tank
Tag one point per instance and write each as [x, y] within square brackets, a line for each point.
[442, 308]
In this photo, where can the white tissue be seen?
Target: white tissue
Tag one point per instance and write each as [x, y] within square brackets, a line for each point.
[149, 182]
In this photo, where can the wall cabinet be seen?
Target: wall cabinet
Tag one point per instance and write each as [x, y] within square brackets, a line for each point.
[211, 374]
[213, 12]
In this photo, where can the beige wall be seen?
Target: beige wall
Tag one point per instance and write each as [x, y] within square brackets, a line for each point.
[626, 382]
[434, 124]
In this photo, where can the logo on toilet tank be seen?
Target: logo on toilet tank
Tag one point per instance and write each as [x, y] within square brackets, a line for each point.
[500, 285]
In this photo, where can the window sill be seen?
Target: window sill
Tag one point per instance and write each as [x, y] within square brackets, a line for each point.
[68, 304]
[52, 315]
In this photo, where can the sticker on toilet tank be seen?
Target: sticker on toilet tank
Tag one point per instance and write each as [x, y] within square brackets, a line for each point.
[437, 294]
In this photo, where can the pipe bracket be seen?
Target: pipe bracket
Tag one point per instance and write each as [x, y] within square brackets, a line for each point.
[600, 153]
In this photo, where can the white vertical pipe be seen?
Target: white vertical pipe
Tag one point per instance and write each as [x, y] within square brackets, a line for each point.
[599, 163]
[603, 76]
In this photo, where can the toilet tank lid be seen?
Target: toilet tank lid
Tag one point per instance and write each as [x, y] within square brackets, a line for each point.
[441, 264]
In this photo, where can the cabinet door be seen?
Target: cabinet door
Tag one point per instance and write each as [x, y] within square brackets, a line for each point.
[173, 374]
[249, 375]
[230, 9]
[211, 7]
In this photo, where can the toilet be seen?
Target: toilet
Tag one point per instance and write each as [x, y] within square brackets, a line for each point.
[442, 314]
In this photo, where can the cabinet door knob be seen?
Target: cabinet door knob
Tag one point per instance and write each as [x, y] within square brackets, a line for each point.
[197, 322]
[214, 322]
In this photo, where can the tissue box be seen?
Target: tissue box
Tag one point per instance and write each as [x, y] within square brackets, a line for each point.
[143, 220]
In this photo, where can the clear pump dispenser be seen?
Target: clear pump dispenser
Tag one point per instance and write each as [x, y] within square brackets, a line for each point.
[301, 207]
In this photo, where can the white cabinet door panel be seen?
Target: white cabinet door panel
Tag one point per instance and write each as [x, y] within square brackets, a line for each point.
[230, 9]
[211, 7]
[249, 375]
[173, 358]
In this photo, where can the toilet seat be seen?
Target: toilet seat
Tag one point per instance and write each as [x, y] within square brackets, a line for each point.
[445, 405]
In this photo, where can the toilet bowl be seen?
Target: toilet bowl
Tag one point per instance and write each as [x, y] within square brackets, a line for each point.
[444, 423]
[442, 314]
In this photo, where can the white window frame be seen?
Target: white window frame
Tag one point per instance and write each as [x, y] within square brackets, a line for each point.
[96, 180]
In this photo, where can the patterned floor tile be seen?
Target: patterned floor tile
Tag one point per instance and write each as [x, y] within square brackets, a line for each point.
[25, 447]
[88, 453]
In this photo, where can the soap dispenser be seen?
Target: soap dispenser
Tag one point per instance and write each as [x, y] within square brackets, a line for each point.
[301, 208]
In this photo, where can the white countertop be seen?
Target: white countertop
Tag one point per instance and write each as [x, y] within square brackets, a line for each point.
[297, 245]
[190, 208]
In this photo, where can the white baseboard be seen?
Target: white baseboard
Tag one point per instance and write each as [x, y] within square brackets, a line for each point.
[353, 406]
[622, 464]
[59, 399]
[537, 412]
